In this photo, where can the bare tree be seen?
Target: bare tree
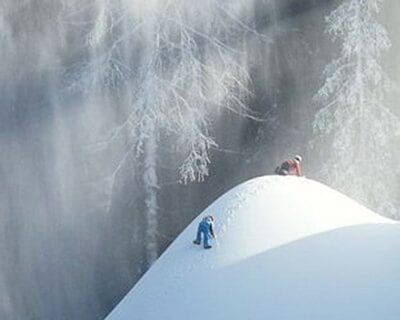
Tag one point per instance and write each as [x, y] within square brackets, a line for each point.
[188, 65]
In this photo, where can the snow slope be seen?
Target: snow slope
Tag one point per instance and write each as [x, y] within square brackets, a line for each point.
[287, 248]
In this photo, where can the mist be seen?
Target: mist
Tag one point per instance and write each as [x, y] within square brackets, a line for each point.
[121, 120]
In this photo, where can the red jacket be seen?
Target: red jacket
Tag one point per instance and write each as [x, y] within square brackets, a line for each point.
[294, 167]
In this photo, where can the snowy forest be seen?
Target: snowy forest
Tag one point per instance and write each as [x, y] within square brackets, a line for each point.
[121, 120]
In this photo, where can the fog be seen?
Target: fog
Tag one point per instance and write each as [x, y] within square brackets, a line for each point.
[121, 120]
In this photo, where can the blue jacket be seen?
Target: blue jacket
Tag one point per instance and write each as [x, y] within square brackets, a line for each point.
[207, 225]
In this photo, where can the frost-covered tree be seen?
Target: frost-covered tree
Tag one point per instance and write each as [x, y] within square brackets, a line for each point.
[355, 128]
[186, 66]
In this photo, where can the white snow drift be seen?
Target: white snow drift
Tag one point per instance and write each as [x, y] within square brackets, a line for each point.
[287, 248]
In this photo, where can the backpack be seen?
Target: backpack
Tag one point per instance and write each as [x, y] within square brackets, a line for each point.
[285, 166]
[283, 169]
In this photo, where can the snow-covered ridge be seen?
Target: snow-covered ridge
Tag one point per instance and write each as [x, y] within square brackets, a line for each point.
[287, 248]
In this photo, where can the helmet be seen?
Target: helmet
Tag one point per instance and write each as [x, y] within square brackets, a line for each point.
[210, 218]
[298, 158]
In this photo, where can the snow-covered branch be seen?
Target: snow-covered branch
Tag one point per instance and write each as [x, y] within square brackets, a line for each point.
[175, 65]
[353, 119]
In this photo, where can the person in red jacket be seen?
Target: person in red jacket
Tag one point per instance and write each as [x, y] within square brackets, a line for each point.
[290, 167]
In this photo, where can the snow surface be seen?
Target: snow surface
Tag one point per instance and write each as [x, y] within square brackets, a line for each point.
[286, 248]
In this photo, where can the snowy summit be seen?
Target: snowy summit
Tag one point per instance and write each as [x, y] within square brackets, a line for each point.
[286, 248]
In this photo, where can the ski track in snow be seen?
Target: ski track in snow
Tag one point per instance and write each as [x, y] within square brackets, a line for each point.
[252, 188]
[266, 229]
[243, 196]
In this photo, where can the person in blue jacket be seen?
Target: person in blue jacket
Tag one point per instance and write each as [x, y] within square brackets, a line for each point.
[206, 227]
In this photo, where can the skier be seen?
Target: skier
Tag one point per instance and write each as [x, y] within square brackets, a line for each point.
[206, 227]
[290, 167]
